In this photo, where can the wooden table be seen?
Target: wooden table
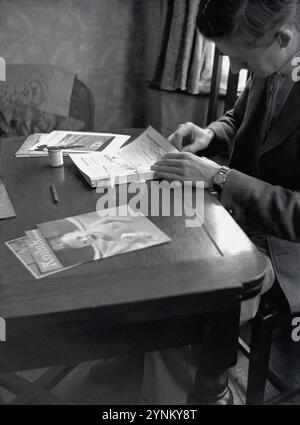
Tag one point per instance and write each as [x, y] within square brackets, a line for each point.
[180, 293]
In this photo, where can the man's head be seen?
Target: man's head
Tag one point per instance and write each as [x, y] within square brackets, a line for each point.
[259, 35]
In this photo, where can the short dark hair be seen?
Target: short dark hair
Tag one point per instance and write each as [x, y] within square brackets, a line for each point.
[248, 20]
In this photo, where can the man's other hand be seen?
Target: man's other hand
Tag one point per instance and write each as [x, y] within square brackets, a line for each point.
[191, 138]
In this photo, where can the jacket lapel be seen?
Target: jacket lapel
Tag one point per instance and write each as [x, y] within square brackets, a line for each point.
[287, 121]
[255, 100]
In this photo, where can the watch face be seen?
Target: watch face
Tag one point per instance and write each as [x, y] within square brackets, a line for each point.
[219, 179]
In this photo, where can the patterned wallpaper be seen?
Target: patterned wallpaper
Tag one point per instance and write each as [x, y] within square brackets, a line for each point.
[100, 40]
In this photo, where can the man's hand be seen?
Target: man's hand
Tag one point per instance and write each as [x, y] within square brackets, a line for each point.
[185, 166]
[198, 139]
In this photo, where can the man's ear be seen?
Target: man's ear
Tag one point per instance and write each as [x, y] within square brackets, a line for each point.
[284, 38]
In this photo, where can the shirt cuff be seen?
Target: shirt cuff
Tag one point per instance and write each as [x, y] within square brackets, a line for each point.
[219, 143]
[233, 193]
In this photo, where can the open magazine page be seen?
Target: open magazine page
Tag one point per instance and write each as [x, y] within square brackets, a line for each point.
[59, 245]
[134, 161]
[78, 142]
[103, 168]
[147, 149]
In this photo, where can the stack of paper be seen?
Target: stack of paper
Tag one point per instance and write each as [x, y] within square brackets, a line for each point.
[62, 244]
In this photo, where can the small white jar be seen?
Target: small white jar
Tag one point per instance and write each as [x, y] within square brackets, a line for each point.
[55, 155]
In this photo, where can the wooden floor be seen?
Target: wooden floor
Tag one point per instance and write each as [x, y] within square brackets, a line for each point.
[122, 385]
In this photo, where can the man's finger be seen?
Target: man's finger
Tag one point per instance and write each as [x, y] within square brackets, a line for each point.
[177, 138]
[166, 169]
[175, 156]
[170, 163]
[171, 137]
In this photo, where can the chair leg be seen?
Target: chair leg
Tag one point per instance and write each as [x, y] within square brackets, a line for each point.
[261, 341]
[39, 390]
[282, 398]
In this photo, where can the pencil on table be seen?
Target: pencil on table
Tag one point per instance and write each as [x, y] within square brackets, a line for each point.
[54, 193]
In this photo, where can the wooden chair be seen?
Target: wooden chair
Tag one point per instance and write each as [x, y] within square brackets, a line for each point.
[231, 92]
[82, 105]
[273, 315]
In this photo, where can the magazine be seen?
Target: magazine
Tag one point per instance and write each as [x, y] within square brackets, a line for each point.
[131, 163]
[79, 142]
[19, 248]
[25, 150]
[59, 245]
[90, 237]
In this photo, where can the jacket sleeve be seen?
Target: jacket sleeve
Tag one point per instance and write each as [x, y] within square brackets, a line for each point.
[263, 207]
[226, 127]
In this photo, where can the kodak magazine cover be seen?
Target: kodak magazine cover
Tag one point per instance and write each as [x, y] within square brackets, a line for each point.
[20, 248]
[90, 237]
[41, 252]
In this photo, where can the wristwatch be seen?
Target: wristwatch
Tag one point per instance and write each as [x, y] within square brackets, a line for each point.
[220, 177]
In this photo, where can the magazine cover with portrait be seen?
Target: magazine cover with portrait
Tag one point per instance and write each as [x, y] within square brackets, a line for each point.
[90, 237]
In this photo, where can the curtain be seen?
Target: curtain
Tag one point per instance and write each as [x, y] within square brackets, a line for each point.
[185, 57]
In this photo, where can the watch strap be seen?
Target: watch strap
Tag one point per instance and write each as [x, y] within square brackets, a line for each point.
[220, 177]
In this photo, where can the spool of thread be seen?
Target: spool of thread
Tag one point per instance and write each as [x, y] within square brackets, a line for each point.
[55, 155]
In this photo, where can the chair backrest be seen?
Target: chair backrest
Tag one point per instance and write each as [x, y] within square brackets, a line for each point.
[231, 92]
[27, 87]
[82, 106]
